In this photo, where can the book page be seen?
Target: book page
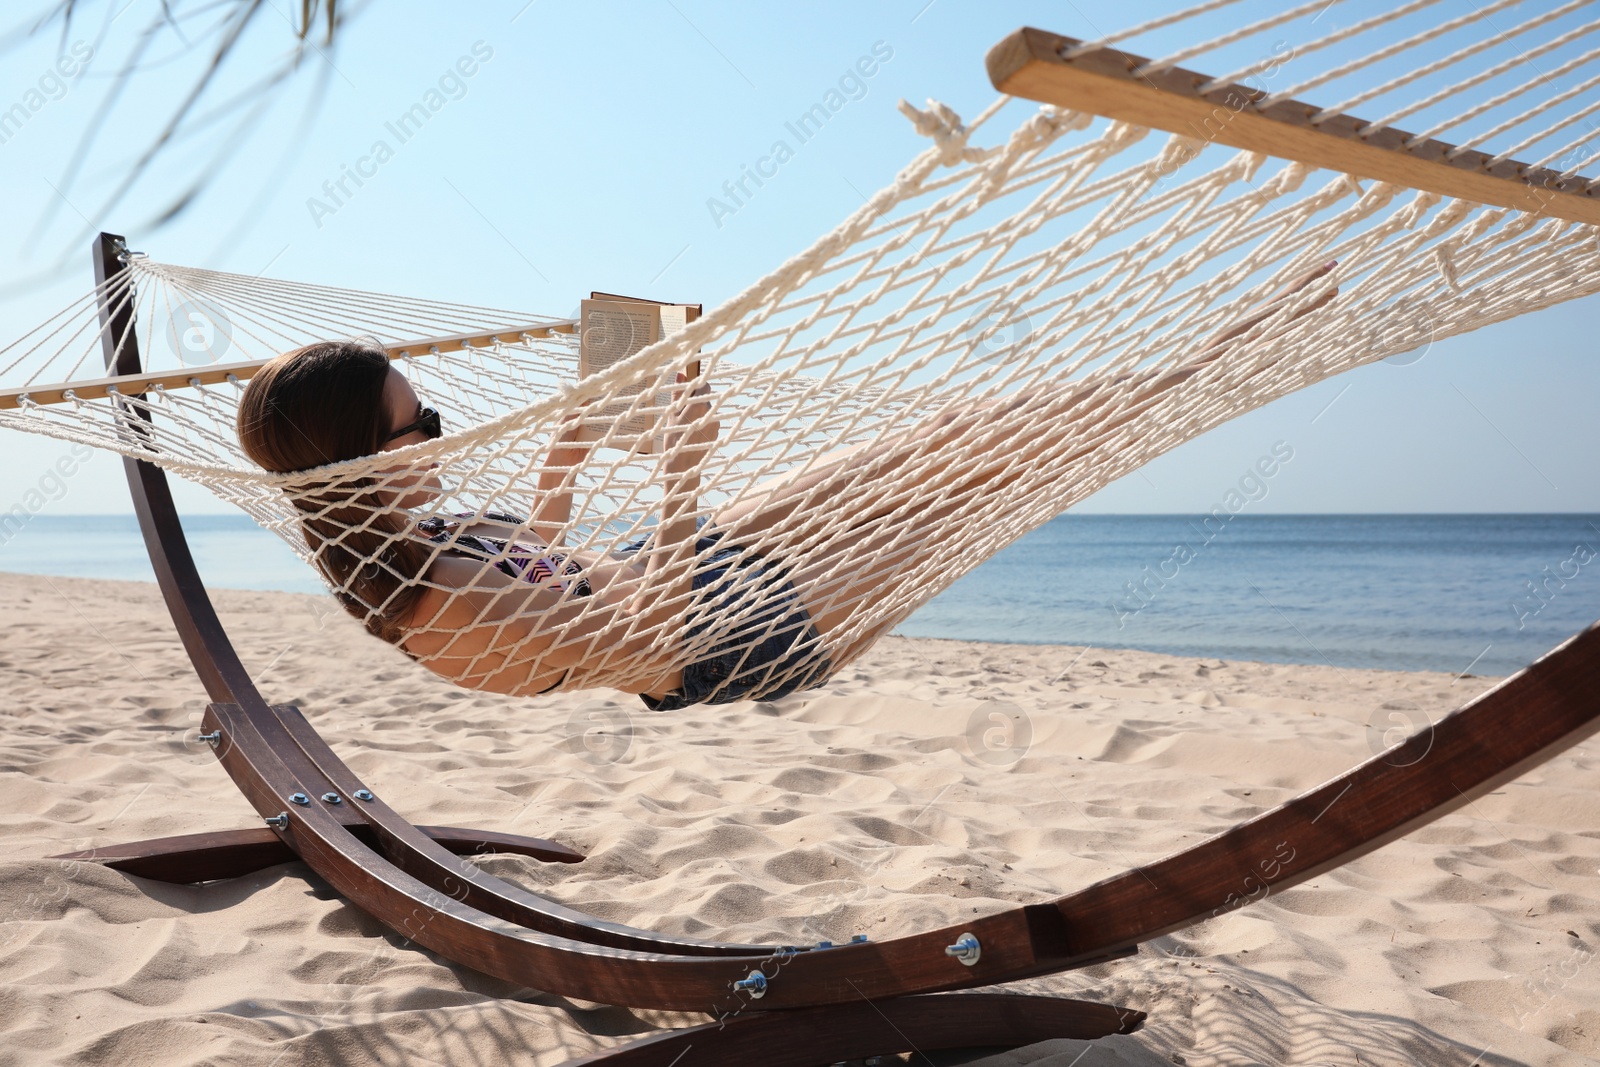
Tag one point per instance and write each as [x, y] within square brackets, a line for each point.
[674, 317]
[610, 330]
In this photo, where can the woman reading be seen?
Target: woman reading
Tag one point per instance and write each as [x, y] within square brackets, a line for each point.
[689, 614]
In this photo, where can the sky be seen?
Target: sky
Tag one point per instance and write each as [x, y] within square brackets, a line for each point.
[584, 151]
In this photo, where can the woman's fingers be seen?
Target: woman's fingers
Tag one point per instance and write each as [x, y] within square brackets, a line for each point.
[1305, 279]
[1317, 272]
[1320, 301]
[1293, 287]
[1273, 304]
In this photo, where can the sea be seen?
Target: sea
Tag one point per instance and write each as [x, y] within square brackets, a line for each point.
[1467, 594]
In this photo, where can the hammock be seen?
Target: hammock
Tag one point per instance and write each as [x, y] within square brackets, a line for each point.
[1071, 251]
[1028, 312]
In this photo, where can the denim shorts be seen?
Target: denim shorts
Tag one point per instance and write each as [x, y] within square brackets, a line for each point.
[772, 651]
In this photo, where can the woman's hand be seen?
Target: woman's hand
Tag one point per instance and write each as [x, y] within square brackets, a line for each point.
[690, 430]
[1155, 380]
[1276, 301]
[568, 451]
[569, 436]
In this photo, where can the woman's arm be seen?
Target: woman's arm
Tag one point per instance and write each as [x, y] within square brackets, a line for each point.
[482, 629]
[553, 508]
[691, 436]
[567, 454]
[1219, 344]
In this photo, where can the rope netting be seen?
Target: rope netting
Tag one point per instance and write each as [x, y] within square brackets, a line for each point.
[1512, 78]
[1013, 323]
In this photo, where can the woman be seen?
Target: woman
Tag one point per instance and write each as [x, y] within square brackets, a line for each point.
[492, 611]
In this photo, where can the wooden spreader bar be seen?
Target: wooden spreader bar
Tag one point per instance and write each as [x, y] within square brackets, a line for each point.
[789, 1004]
[1034, 64]
[138, 383]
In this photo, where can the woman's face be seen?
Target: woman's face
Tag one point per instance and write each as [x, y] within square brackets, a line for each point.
[401, 408]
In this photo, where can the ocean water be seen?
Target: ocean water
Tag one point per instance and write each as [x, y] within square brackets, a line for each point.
[1481, 593]
[1485, 594]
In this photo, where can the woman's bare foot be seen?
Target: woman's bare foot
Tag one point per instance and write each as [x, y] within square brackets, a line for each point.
[1276, 301]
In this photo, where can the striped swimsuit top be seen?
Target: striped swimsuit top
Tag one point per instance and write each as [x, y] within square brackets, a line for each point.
[534, 564]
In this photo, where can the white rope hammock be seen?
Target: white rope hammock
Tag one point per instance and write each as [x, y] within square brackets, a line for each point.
[1026, 313]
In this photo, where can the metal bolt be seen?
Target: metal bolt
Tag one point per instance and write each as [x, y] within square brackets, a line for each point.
[279, 821]
[332, 798]
[755, 985]
[212, 738]
[299, 798]
[362, 794]
[966, 949]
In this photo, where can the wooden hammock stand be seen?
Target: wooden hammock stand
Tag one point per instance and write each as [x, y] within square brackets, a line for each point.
[793, 1005]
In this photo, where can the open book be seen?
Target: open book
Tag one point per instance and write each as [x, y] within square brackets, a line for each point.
[610, 329]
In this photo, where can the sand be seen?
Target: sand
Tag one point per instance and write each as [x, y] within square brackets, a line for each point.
[873, 806]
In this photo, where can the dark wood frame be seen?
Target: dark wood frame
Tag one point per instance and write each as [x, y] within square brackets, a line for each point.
[816, 1004]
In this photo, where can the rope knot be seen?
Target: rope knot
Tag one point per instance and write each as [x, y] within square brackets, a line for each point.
[1051, 121]
[1287, 180]
[1444, 258]
[1420, 205]
[944, 126]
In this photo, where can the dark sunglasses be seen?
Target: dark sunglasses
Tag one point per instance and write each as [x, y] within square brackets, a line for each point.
[427, 422]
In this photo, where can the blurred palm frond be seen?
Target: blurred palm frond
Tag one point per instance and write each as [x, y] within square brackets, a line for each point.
[212, 30]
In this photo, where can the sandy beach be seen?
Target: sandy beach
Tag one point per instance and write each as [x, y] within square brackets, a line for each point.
[932, 781]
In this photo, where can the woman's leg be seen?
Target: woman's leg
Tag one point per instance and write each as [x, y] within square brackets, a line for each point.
[968, 443]
[870, 513]
[854, 529]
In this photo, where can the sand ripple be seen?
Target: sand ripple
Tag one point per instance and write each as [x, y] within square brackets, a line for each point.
[934, 782]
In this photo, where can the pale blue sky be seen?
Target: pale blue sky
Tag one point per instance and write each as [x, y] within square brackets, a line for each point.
[581, 154]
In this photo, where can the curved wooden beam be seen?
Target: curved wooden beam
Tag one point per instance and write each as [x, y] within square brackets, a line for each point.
[190, 858]
[1543, 709]
[426, 894]
[416, 852]
[812, 1037]
[213, 655]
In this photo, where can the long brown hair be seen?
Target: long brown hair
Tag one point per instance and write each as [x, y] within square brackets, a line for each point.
[321, 404]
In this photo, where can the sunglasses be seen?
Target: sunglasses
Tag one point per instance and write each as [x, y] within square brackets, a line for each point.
[427, 422]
